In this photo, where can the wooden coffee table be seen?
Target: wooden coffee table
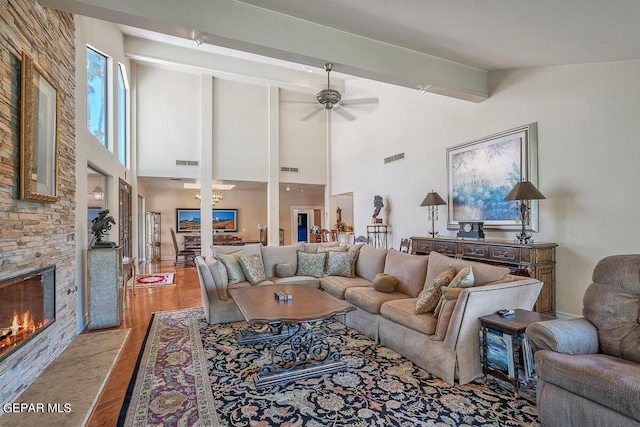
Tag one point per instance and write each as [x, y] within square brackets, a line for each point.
[301, 352]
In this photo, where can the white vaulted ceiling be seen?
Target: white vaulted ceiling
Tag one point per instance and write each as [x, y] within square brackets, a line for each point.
[448, 46]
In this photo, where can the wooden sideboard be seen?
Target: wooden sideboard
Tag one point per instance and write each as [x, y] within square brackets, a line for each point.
[534, 260]
[191, 242]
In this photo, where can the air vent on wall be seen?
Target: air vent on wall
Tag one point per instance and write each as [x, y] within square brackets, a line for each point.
[288, 169]
[187, 163]
[394, 158]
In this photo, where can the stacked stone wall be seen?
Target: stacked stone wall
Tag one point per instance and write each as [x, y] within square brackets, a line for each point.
[35, 234]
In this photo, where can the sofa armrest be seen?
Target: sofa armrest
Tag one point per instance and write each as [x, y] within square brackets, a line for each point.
[569, 336]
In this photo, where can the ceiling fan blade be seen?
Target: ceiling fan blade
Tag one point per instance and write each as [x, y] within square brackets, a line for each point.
[357, 101]
[344, 114]
[311, 114]
[297, 101]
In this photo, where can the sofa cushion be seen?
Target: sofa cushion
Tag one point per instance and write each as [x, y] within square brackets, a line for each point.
[251, 249]
[614, 312]
[607, 380]
[342, 247]
[464, 278]
[252, 268]
[483, 273]
[285, 270]
[447, 304]
[234, 270]
[219, 274]
[410, 270]
[385, 282]
[401, 311]
[430, 295]
[313, 247]
[311, 264]
[370, 262]
[355, 247]
[337, 285]
[273, 255]
[369, 299]
[341, 263]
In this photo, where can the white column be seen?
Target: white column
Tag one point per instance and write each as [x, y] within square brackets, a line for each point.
[326, 221]
[206, 163]
[273, 184]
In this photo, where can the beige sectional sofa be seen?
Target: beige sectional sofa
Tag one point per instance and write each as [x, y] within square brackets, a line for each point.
[446, 345]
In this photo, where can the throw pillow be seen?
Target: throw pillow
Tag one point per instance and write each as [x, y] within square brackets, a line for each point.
[284, 270]
[252, 268]
[234, 271]
[384, 282]
[464, 278]
[311, 264]
[341, 263]
[428, 298]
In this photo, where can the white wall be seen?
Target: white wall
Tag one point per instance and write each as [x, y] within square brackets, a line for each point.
[168, 121]
[240, 131]
[587, 147]
[106, 38]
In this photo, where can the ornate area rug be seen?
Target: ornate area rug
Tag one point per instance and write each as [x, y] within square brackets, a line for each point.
[157, 279]
[194, 374]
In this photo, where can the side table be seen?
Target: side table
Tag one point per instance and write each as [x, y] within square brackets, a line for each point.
[513, 330]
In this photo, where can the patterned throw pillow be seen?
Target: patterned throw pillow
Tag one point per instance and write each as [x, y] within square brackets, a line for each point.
[384, 282]
[311, 264]
[284, 270]
[341, 263]
[430, 295]
[234, 271]
[464, 278]
[253, 268]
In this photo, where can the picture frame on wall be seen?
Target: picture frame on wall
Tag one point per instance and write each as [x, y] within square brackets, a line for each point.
[38, 134]
[480, 173]
[188, 220]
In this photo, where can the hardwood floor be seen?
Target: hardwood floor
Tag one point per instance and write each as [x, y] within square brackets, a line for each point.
[185, 294]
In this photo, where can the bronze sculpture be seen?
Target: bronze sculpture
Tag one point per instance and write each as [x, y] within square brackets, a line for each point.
[100, 225]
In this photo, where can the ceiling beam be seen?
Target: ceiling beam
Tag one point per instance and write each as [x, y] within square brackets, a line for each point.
[241, 26]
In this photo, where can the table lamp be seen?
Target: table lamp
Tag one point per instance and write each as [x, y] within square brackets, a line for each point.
[433, 200]
[522, 192]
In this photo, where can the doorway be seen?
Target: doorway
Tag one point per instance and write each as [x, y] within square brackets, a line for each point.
[303, 227]
[124, 214]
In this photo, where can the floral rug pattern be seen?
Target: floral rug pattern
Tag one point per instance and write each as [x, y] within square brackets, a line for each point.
[157, 279]
[379, 387]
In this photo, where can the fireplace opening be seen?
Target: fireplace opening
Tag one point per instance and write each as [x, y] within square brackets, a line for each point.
[27, 307]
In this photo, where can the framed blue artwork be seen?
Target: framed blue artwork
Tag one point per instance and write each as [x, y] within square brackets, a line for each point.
[480, 173]
[188, 220]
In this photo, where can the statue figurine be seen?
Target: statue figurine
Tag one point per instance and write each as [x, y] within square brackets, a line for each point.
[100, 225]
[377, 203]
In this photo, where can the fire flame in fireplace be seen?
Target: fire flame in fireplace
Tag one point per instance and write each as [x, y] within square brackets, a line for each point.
[21, 327]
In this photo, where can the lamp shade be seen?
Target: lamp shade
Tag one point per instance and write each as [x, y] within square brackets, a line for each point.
[524, 190]
[433, 199]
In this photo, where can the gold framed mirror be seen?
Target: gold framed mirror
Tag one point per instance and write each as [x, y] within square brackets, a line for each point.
[38, 135]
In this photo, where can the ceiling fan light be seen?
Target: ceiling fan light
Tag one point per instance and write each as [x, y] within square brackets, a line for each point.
[328, 98]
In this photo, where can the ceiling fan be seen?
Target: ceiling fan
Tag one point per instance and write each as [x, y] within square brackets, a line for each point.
[331, 99]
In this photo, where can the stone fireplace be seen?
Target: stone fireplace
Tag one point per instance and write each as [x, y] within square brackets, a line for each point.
[28, 307]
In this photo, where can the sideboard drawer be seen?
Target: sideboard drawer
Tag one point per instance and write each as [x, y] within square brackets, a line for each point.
[422, 246]
[505, 254]
[477, 251]
[444, 248]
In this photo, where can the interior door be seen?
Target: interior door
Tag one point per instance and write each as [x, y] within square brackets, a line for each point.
[124, 214]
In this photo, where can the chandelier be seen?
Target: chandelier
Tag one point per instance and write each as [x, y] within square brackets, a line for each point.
[216, 197]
